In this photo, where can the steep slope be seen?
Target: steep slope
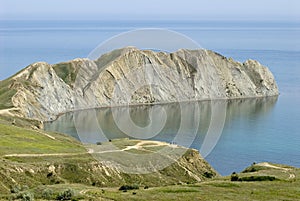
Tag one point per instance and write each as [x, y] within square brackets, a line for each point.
[132, 76]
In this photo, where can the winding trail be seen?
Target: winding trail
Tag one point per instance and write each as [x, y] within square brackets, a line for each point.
[91, 151]
[285, 170]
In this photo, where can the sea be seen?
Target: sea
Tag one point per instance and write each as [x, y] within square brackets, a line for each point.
[254, 130]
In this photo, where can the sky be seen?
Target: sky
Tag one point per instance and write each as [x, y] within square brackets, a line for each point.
[285, 10]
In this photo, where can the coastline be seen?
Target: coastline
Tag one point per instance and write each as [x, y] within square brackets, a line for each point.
[162, 103]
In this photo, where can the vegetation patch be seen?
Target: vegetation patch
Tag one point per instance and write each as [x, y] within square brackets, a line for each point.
[6, 94]
[67, 194]
[67, 71]
[254, 168]
[16, 140]
[123, 143]
[257, 178]
[129, 187]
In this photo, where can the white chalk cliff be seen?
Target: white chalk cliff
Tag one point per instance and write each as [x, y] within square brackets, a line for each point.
[133, 76]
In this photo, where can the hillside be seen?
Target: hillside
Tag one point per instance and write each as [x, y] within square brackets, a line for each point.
[131, 76]
[33, 158]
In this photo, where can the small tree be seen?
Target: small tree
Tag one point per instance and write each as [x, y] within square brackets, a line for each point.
[234, 177]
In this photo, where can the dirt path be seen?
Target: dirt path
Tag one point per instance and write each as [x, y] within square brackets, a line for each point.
[91, 151]
[7, 111]
[285, 170]
[292, 176]
[265, 164]
[150, 144]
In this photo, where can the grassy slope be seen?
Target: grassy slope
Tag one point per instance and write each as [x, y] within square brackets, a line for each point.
[6, 94]
[217, 189]
[67, 71]
[284, 188]
[18, 140]
[213, 190]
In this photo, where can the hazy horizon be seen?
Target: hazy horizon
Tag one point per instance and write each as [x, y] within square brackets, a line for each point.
[269, 10]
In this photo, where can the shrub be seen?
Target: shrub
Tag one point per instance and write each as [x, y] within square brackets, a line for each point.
[26, 196]
[128, 187]
[257, 178]
[208, 174]
[15, 189]
[234, 177]
[254, 168]
[47, 194]
[24, 188]
[65, 195]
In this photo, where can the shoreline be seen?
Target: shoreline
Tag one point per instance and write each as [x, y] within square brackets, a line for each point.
[160, 103]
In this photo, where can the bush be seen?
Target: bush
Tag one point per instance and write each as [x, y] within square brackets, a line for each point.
[15, 189]
[253, 168]
[234, 177]
[65, 195]
[47, 194]
[128, 187]
[257, 178]
[208, 174]
[26, 196]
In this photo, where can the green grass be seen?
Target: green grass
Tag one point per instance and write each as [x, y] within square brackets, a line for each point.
[16, 140]
[67, 71]
[154, 148]
[212, 191]
[124, 142]
[6, 93]
[254, 168]
[18, 121]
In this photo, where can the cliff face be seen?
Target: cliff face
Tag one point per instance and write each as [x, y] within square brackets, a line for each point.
[132, 76]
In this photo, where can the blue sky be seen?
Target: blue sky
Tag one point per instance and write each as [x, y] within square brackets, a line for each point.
[154, 9]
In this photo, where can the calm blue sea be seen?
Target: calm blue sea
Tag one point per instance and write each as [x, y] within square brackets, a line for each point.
[260, 130]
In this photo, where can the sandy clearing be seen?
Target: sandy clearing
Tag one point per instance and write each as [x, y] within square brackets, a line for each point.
[265, 164]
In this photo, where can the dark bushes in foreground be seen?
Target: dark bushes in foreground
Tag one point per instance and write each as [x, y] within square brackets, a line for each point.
[235, 177]
[65, 195]
[257, 178]
[128, 187]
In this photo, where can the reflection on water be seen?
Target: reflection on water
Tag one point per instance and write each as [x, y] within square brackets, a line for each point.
[193, 124]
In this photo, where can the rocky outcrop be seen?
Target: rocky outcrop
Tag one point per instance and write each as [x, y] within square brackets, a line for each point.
[133, 76]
